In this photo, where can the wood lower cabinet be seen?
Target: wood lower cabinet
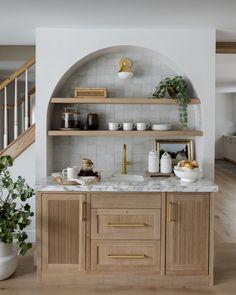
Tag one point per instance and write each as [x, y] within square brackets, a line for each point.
[163, 235]
[63, 232]
[187, 234]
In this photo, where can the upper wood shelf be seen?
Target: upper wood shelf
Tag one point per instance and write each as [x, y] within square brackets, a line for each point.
[124, 133]
[85, 100]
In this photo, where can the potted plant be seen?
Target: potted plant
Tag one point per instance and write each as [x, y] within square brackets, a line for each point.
[177, 89]
[15, 214]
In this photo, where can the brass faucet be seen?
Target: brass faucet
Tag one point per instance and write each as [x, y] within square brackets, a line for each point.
[124, 161]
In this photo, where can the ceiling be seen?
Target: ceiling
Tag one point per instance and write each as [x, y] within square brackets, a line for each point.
[19, 19]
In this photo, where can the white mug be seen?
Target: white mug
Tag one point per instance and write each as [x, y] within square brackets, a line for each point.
[143, 126]
[114, 126]
[128, 126]
[69, 172]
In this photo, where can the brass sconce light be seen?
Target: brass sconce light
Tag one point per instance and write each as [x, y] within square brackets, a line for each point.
[125, 71]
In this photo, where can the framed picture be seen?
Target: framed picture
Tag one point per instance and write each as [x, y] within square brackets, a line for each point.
[178, 149]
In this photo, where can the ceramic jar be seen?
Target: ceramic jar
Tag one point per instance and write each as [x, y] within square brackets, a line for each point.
[153, 162]
[166, 163]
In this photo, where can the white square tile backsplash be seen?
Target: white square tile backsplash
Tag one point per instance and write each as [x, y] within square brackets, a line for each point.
[106, 152]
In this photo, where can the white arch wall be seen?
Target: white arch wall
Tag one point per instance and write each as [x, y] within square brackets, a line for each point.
[192, 50]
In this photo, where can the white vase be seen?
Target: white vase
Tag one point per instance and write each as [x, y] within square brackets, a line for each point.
[8, 260]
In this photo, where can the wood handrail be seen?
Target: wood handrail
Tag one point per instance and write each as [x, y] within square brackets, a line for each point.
[21, 143]
[17, 73]
[21, 100]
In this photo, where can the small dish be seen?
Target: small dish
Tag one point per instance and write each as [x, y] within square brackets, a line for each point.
[161, 127]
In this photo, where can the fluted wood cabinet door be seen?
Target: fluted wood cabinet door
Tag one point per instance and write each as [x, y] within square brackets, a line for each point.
[63, 232]
[187, 234]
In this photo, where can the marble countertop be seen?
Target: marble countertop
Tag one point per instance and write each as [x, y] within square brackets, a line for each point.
[159, 184]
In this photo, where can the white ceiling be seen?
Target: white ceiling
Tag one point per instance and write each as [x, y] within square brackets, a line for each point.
[19, 19]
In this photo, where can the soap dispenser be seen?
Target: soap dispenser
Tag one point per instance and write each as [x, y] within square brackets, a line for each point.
[153, 161]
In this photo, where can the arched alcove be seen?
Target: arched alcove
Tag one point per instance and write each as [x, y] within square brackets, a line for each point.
[100, 69]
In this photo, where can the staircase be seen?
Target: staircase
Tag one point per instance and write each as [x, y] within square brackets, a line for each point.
[17, 107]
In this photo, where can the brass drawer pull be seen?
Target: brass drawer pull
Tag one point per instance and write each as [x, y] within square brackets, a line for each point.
[126, 224]
[171, 213]
[127, 256]
[84, 211]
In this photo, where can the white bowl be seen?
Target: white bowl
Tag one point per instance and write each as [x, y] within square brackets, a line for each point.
[161, 127]
[187, 174]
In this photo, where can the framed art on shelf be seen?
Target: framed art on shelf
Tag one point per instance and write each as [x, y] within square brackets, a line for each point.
[178, 149]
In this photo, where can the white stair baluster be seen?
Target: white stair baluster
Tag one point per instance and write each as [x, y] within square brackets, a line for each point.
[5, 133]
[26, 101]
[15, 112]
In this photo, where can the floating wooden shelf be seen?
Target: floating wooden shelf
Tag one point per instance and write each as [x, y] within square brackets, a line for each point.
[125, 133]
[95, 100]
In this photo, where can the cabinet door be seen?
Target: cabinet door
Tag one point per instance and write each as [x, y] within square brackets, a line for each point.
[187, 236]
[63, 232]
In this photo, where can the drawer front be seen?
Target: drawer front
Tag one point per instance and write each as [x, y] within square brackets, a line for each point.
[125, 255]
[126, 223]
[126, 200]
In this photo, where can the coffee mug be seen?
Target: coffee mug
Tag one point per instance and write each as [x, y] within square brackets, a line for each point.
[69, 172]
[128, 126]
[114, 126]
[143, 126]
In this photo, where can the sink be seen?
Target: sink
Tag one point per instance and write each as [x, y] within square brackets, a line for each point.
[127, 177]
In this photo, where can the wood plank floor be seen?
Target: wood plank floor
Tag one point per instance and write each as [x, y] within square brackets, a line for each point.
[23, 282]
[225, 206]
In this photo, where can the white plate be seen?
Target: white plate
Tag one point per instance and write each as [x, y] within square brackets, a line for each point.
[161, 127]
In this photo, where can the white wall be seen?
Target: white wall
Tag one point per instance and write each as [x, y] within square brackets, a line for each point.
[192, 50]
[225, 120]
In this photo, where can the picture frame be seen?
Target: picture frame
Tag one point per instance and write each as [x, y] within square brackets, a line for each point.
[178, 149]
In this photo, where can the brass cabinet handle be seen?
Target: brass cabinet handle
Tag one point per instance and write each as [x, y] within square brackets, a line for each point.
[127, 256]
[126, 224]
[171, 212]
[84, 211]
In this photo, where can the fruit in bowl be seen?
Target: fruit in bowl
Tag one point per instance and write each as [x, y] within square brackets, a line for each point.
[188, 171]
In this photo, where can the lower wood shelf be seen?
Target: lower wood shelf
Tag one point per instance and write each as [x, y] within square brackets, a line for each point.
[124, 133]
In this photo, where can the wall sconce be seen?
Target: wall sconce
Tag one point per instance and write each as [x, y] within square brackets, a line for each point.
[125, 71]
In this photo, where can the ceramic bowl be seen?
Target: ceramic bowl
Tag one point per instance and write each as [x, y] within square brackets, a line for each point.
[186, 174]
[161, 127]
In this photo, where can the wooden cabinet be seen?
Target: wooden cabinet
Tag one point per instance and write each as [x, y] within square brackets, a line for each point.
[63, 232]
[126, 231]
[187, 234]
[229, 148]
[158, 234]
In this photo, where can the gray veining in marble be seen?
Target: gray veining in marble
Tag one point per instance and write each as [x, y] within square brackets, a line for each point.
[160, 184]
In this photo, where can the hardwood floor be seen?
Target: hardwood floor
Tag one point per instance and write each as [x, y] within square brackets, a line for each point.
[225, 205]
[24, 282]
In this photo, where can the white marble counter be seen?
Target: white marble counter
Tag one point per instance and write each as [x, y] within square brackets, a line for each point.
[159, 184]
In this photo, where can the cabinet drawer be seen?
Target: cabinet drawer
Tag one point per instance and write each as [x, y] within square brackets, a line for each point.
[125, 255]
[126, 223]
[126, 200]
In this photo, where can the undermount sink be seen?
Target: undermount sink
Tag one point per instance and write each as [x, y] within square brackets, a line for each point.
[127, 177]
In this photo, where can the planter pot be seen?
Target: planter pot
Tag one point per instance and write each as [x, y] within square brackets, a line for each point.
[8, 260]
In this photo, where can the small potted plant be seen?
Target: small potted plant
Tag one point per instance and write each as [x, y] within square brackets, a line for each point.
[15, 216]
[177, 89]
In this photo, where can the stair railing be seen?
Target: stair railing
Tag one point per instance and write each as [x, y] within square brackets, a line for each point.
[28, 94]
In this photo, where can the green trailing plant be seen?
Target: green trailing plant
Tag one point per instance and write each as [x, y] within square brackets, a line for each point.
[177, 89]
[14, 218]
